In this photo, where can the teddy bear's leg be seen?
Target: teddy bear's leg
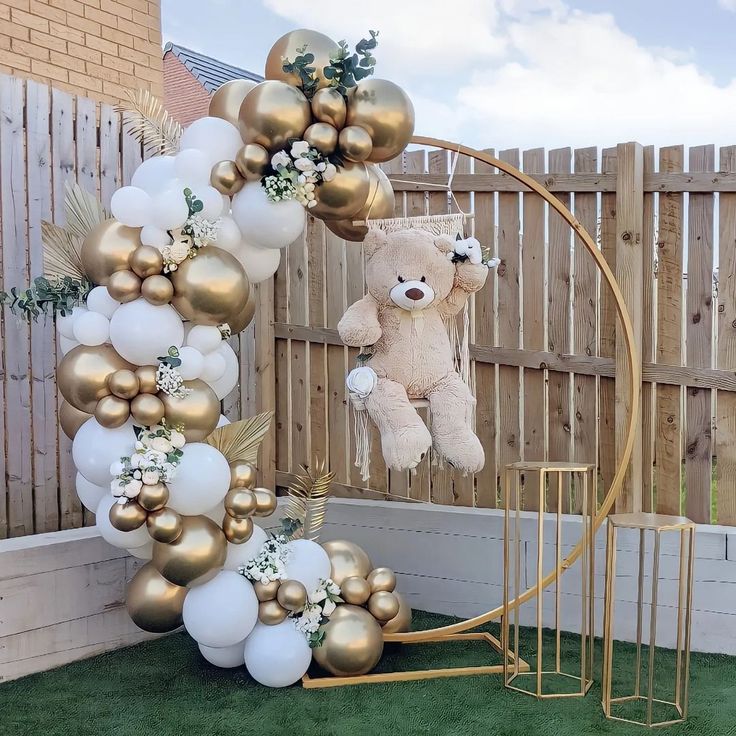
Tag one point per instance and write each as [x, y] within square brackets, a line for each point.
[404, 437]
[450, 403]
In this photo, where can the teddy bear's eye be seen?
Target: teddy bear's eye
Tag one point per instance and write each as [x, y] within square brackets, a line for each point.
[401, 279]
[423, 279]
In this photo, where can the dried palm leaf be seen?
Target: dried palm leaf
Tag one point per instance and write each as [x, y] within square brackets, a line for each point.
[307, 505]
[148, 121]
[240, 440]
[61, 253]
[84, 211]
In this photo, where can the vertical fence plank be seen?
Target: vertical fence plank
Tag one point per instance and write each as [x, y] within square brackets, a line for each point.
[281, 368]
[265, 357]
[109, 153]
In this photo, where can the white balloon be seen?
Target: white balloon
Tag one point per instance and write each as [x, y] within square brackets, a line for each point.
[308, 563]
[228, 235]
[95, 448]
[214, 367]
[145, 552]
[169, 209]
[211, 202]
[192, 167]
[66, 344]
[222, 611]
[229, 379]
[92, 328]
[155, 236]
[90, 494]
[137, 538]
[216, 513]
[222, 421]
[99, 300]
[154, 174]
[277, 656]
[131, 206]
[239, 555]
[192, 363]
[65, 324]
[216, 138]
[201, 481]
[205, 338]
[142, 332]
[259, 263]
[232, 656]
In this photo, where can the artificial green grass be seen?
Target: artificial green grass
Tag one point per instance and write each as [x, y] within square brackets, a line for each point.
[164, 688]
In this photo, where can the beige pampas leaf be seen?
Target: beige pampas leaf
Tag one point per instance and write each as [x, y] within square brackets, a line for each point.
[61, 253]
[307, 505]
[84, 212]
[148, 121]
[239, 441]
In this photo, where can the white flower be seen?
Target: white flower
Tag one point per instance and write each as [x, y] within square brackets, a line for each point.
[179, 251]
[329, 173]
[309, 187]
[132, 488]
[304, 164]
[177, 439]
[161, 444]
[117, 468]
[361, 381]
[321, 166]
[138, 445]
[328, 607]
[469, 247]
[137, 474]
[280, 159]
[299, 148]
[312, 203]
[135, 460]
[333, 588]
[150, 477]
[318, 595]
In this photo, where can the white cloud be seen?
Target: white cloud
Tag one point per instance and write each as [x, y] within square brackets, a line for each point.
[728, 5]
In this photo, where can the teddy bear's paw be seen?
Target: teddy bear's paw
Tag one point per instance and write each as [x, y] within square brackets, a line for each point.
[404, 450]
[464, 452]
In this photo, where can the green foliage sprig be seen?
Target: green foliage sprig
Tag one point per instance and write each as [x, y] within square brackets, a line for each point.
[302, 67]
[195, 205]
[47, 296]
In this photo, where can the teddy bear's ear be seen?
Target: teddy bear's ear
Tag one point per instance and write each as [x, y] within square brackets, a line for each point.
[373, 241]
[445, 243]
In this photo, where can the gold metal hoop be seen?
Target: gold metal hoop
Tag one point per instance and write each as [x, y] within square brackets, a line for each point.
[634, 379]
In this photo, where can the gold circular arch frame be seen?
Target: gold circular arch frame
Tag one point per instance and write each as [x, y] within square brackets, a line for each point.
[634, 382]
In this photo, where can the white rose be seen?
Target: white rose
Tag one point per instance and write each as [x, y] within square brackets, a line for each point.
[298, 148]
[361, 381]
[280, 159]
[138, 445]
[132, 488]
[304, 164]
[161, 444]
[117, 468]
[177, 439]
[328, 607]
[329, 173]
[150, 477]
[135, 460]
[117, 488]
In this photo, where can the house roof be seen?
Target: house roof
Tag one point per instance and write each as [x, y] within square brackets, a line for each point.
[209, 72]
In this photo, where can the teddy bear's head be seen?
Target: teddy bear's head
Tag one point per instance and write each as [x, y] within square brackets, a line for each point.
[408, 268]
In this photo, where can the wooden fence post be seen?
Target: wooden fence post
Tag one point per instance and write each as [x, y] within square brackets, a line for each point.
[266, 378]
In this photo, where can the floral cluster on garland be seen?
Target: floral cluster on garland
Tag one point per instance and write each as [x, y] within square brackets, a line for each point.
[316, 613]
[270, 563]
[197, 232]
[296, 174]
[168, 378]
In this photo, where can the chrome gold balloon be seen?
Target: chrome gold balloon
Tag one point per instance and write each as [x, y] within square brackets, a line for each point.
[124, 286]
[225, 102]
[107, 248]
[242, 475]
[157, 290]
[112, 411]
[165, 526]
[123, 384]
[240, 503]
[292, 595]
[146, 261]
[342, 197]
[153, 602]
[321, 46]
[328, 106]
[382, 578]
[197, 412]
[237, 531]
[271, 613]
[146, 375]
[321, 136]
[252, 161]
[126, 517]
[241, 321]
[266, 591]
[153, 497]
[265, 501]
[383, 606]
[353, 642]
[147, 410]
[355, 590]
[402, 620]
[355, 143]
[226, 178]
[71, 419]
[347, 560]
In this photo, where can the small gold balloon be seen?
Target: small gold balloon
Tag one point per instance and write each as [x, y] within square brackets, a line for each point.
[266, 591]
[347, 560]
[342, 197]
[226, 178]
[271, 613]
[272, 114]
[355, 590]
[153, 497]
[107, 248]
[382, 578]
[237, 531]
[197, 412]
[225, 102]
[123, 384]
[317, 44]
[83, 372]
[124, 286]
[157, 290]
[321, 136]
[210, 289]
[353, 642]
[196, 556]
[71, 419]
[147, 410]
[146, 261]
[165, 526]
[153, 602]
[240, 503]
[126, 517]
[112, 411]
[355, 143]
[328, 106]
[383, 605]
[402, 620]
[252, 161]
[292, 595]
[265, 501]
[242, 475]
[146, 375]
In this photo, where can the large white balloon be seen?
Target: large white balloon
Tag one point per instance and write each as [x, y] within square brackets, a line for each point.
[142, 332]
[239, 555]
[154, 174]
[232, 656]
[90, 494]
[308, 563]
[214, 367]
[222, 611]
[211, 202]
[216, 138]
[66, 344]
[201, 481]
[137, 538]
[65, 324]
[264, 223]
[155, 236]
[259, 263]
[192, 363]
[228, 235]
[131, 206]
[192, 167]
[91, 328]
[144, 552]
[277, 656]
[99, 300]
[229, 379]
[95, 448]
[204, 338]
[169, 209]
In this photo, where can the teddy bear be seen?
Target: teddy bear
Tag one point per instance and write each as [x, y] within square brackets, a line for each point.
[416, 281]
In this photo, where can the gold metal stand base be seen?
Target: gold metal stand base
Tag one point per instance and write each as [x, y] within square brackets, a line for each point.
[378, 677]
[643, 698]
[549, 676]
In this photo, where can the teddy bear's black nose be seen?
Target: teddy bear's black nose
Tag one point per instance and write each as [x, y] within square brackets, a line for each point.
[414, 294]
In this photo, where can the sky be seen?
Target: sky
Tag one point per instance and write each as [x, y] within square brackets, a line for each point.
[514, 73]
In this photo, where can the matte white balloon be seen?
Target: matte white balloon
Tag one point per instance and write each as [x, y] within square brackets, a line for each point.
[205, 338]
[192, 167]
[211, 202]
[91, 328]
[99, 300]
[277, 656]
[192, 363]
[228, 235]
[201, 481]
[216, 138]
[239, 555]
[229, 379]
[155, 236]
[264, 223]
[226, 657]
[142, 332]
[308, 563]
[89, 493]
[95, 448]
[131, 206]
[154, 174]
[66, 344]
[144, 552]
[136, 538]
[222, 611]
[169, 209]
[216, 513]
[65, 324]
[259, 263]
[214, 366]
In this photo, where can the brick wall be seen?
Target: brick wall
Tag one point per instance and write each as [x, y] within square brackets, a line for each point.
[184, 97]
[97, 48]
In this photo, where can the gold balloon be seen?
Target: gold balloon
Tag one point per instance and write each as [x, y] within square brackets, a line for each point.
[195, 556]
[123, 384]
[342, 197]
[157, 290]
[112, 412]
[165, 526]
[124, 286]
[402, 620]
[153, 602]
[240, 503]
[126, 517]
[242, 475]
[292, 595]
[198, 412]
[321, 136]
[146, 261]
[266, 591]
[82, 374]
[353, 642]
[355, 143]
[146, 375]
[210, 289]
[271, 613]
[355, 590]
[237, 531]
[226, 178]
[347, 560]
[386, 112]
[321, 46]
[252, 161]
[225, 102]
[382, 578]
[265, 501]
[328, 106]
[242, 320]
[107, 249]
[71, 419]
[383, 605]
[153, 497]
[147, 410]
[272, 113]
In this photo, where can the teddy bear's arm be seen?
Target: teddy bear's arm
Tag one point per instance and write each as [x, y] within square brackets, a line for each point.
[469, 278]
[359, 325]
